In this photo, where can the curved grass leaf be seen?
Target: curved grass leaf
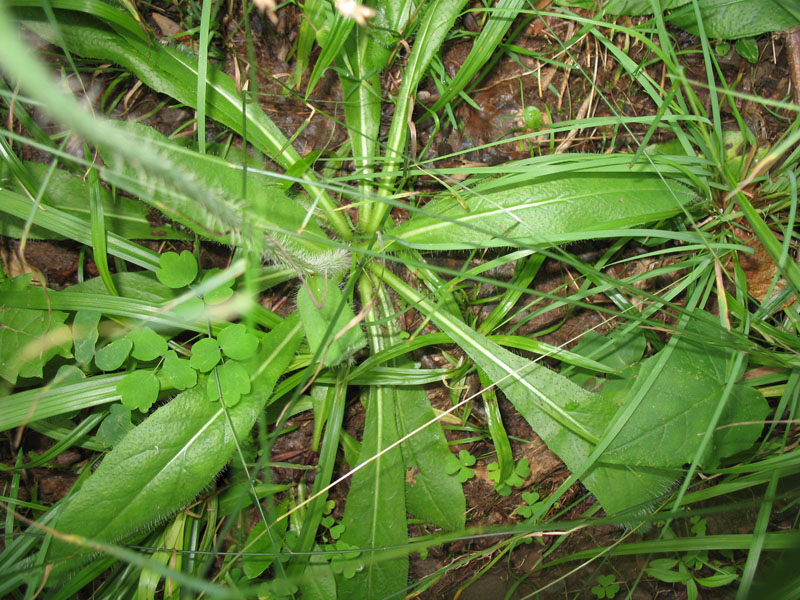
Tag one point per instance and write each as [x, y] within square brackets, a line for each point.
[500, 19]
[435, 24]
[122, 216]
[75, 228]
[556, 210]
[167, 460]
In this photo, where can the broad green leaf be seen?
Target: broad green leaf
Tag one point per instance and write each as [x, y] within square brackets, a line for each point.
[111, 357]
[124, 217]
[177, 372]
[205, 354]
[139, 390]
[552, 211]
[318, 582]
[234, 380]
[29, 338]
[667, 429]
[237, 342]
[328, 321]
[84, 334]
[147, 344]
[375, 512]
[164, 462]
[733, 19]
[177, 270]
[431, 494]
[209, 195]
[637, 7]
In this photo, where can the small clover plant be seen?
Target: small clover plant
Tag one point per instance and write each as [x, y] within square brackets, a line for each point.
[684, 569]
[460, 466]
[606, 587]
[521, 471]
[236, 342]
[531, 506]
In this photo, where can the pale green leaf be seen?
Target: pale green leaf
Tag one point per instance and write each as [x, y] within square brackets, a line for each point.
[177, 270]
[328, 320]
[111, 357]
[237, 341]
[147, 344]
[139, 390]
[84, 334]
[234, 380]
[29, 338]
[177, 372]
[205, 354]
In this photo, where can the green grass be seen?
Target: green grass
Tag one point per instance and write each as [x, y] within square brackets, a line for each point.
[682, 413]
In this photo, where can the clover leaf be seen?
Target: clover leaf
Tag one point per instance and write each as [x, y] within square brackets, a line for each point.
[205, 355]
[459, 465]
[234, 380]
[217, 295]
[147, 344]
[177, 270]
[237, 342]
[605, 588]
[177, 371]
[139, 390]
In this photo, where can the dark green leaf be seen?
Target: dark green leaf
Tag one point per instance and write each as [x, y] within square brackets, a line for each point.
[375, 512]
[431, 494]
[164, 462]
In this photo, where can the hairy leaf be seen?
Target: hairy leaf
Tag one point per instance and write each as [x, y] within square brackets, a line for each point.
[329, 321]
[552, 211]
[375, 513]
